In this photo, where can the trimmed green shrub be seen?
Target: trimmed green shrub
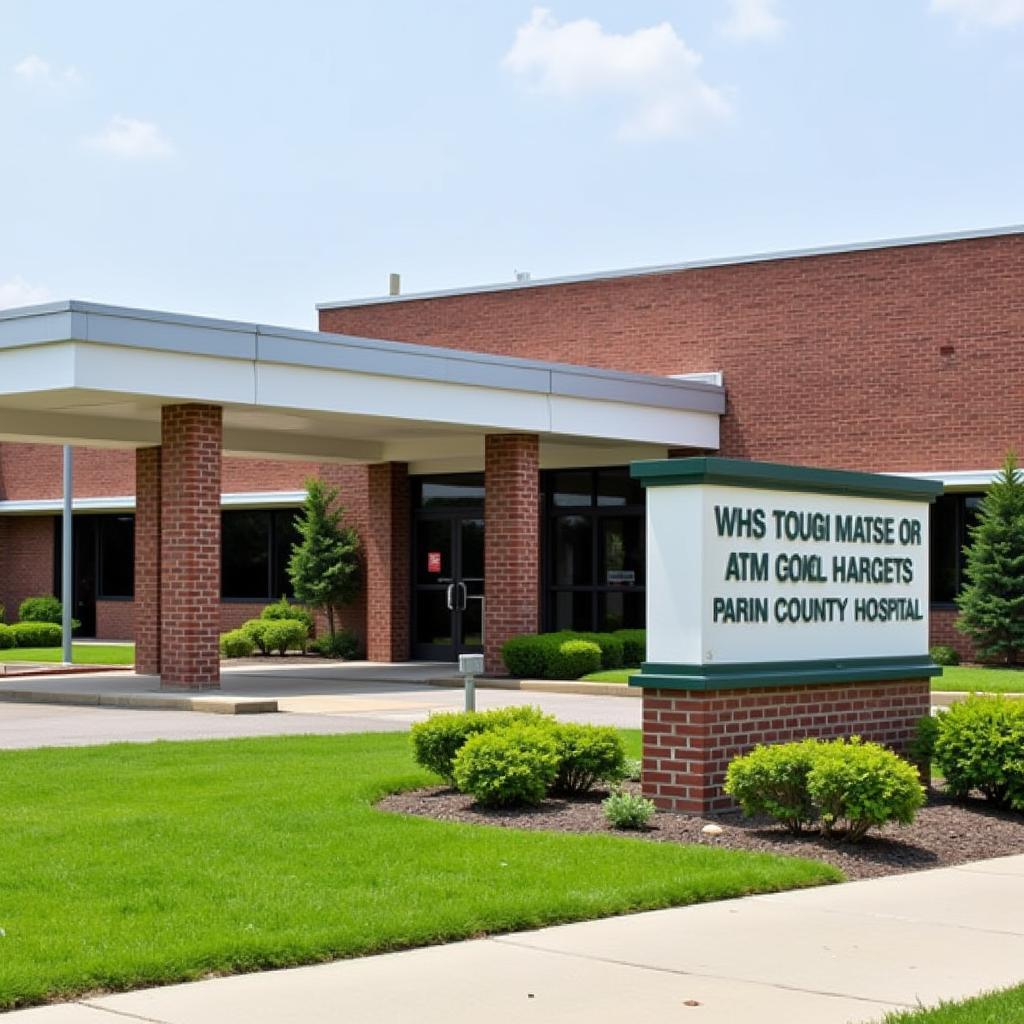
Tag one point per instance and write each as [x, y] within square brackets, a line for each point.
[284, 635]
[922, 746]
[611, 647]
[572, 659]
[7, 637]
[343, 645]
[256, 630]
[943, 654]
[627, 810]
[857, 786]
[772, 780]
[527, 657]
[980, 746]
[436, 741]
[509, 766]
[634, 769]
[37, 634]
[40, 609]
[236, 644]
[634, 646]
[3, 613]
[283, 609]
[587, 754]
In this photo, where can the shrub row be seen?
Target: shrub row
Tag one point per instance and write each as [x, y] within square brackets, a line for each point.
[30, 634]
[978, 746]
[568, 655]
[517, 755]
[845, 785]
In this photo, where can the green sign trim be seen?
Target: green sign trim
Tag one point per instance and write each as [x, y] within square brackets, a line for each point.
[665, 676]
[776, 477]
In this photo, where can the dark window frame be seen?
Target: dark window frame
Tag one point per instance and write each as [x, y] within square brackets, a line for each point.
[277, 558]
[596, 513]
[958, 500]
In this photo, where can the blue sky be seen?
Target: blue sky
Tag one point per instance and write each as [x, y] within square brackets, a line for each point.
[250, 159]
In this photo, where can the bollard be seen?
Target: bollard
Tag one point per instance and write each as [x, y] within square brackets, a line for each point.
[470, 665]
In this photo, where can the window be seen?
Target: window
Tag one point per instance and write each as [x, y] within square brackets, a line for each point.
[255, 547]
[952, 516]
[594, 549]
[116, 556]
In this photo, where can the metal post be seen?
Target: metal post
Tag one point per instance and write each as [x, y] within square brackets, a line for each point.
[67, 561]
[469, 666]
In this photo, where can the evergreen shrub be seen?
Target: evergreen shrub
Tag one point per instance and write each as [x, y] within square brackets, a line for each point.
[634, 646]
[527, 657]
[37, 634]
[343, 645]
[284, 609]
[574, 658]
[587, 754]
[772, 780]
[437, 740]
[943, 654]
[980, 746]
[856, 786]
[7, 637]
[236, 643]
[508, 766]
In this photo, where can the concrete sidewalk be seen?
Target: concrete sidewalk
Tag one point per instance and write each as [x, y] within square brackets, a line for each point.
[832, 955]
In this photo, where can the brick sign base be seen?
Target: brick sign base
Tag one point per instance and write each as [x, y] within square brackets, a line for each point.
[691, 736]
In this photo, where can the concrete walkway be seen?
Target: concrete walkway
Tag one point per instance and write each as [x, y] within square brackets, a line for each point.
[832, 955]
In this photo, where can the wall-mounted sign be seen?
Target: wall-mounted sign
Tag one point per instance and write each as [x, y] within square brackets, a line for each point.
[433, 561]
[620, 577]
[759, 573]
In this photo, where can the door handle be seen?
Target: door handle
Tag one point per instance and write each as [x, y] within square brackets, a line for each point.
[450, 596]
[463, 597]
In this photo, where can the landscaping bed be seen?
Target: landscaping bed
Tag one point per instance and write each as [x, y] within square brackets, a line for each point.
[945, 833]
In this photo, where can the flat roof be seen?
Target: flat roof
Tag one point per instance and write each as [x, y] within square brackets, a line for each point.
[671, 268]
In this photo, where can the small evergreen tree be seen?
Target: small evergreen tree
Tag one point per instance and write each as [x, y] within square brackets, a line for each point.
[992, 604]
[324, 565]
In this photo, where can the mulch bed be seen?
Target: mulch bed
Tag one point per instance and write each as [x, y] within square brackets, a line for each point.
[945, 833]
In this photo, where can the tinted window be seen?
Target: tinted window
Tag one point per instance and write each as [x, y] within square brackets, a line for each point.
[116, 556]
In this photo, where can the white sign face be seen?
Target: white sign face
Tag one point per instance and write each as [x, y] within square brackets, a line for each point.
[744, 575]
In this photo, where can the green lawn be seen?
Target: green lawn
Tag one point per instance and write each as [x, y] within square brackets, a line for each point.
[614, 675]
[81, 654]
[1006, 1007]
[990, 680]
[127, 865]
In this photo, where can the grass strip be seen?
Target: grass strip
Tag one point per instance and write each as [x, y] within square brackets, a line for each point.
[81, 654]
[1005, 1007]
[129, 865]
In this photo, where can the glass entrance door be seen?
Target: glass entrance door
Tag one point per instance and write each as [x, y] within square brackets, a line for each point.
[448, 585]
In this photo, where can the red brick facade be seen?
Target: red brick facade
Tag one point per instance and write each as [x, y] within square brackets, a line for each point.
[148, 510]
[511, 541]
[386, 548]
[26, 559]
[190, 489]
[885, 359]
[690, 737]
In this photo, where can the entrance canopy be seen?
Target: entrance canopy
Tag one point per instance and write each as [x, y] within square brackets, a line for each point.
[81, 373]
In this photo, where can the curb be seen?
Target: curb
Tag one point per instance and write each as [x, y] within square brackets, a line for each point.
[220, 704]
[543, 686]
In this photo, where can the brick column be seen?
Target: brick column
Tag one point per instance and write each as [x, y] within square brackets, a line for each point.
[511, 541]
[147, 561]
[190, 546]
[386, 544]
[690, 736]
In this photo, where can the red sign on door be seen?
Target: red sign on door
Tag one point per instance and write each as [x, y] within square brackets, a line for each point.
[433, 561]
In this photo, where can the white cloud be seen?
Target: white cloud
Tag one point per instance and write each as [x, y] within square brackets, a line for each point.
[992, 13]
[128, 139]
[40, 72]
[651, 69]
[752, 19]
[16, 291]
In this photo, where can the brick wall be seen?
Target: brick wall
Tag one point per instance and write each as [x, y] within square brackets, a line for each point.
[511, 541]
[146, 606]
[690, 737]
[115, 620]
[879, 360]
[26, 559]
[386, 550]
